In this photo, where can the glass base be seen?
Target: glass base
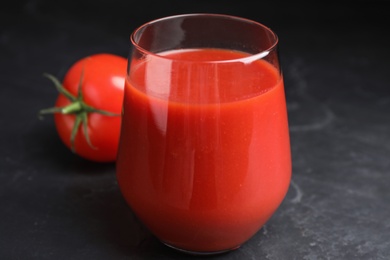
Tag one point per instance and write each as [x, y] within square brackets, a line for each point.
[201, 253]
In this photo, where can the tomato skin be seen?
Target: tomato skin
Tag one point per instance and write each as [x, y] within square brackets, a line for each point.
[102, 88]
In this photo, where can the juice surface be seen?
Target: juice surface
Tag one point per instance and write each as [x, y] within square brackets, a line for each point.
[204, 159]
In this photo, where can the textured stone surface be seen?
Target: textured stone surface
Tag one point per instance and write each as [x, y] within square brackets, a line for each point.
[336, 66]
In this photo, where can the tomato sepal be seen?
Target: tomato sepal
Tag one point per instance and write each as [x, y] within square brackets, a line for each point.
[76, 107]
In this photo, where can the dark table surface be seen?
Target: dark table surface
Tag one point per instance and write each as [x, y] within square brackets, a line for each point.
[335, 58]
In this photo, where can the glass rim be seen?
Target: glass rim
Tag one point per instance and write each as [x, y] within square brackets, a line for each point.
[250, 58]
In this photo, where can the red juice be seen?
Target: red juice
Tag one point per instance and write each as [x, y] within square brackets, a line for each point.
[204, 158]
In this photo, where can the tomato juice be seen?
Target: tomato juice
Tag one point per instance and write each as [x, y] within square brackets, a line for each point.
[204, 158]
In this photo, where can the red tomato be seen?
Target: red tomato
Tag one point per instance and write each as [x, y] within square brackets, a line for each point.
[101, 78]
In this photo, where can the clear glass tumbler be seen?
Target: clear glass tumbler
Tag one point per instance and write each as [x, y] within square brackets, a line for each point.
[204, 155]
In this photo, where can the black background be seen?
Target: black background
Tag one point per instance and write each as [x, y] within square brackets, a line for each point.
[335, 59]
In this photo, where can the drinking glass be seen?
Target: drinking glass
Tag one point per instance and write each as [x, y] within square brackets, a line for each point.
[204, 155]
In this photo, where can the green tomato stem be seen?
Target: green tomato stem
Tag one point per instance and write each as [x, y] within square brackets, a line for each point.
[77, 107]
[72, 108]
